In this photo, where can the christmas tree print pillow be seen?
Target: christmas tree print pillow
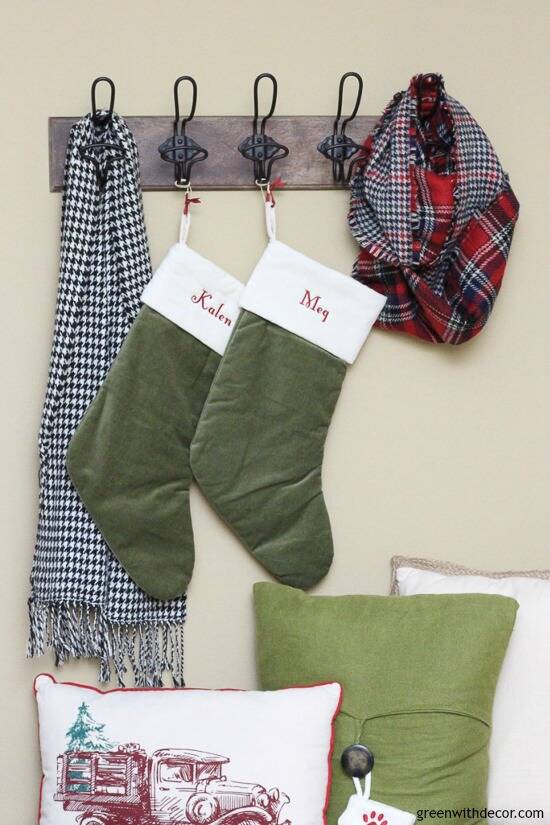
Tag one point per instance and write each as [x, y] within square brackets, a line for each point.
[184, 756]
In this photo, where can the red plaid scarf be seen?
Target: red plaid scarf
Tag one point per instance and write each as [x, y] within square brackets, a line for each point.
[434, 214]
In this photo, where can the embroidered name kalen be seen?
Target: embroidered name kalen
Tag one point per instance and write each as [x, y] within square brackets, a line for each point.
[313, 304]
[203, 299]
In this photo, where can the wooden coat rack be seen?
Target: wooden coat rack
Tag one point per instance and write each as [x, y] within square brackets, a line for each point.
[311, 152]
[225, 168]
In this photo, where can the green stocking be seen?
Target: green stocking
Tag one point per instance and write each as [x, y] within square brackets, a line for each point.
[129, 458]
[258, 448]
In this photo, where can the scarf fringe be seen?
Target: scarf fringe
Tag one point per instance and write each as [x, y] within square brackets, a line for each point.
[75, 631]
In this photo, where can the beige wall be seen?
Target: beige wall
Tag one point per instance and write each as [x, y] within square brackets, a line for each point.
[432, 451]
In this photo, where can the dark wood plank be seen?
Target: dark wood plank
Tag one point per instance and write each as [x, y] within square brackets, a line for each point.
[225, 168]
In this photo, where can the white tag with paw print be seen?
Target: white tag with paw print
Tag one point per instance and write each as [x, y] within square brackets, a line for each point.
[362, 810]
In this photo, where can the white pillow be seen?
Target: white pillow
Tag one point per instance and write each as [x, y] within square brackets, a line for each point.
[168, 756]
[519, 774]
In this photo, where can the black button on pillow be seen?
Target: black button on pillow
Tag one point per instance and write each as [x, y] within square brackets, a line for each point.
[357, 760]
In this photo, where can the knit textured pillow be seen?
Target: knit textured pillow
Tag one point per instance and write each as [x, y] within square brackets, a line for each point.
[522, 700]
[418, 674]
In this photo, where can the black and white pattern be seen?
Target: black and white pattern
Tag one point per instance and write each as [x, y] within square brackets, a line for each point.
[83, 604]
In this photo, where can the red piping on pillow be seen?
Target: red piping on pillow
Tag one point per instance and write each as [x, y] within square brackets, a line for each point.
[331, 746]
[207, 690]
[40, 798]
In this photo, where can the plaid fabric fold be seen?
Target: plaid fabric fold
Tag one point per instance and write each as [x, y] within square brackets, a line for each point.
[434, 214]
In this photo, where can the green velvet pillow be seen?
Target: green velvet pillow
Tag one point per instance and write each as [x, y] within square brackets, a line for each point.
[418, 674]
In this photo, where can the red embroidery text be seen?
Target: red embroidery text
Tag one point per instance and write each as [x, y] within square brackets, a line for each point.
[203, 300]
[313, 304]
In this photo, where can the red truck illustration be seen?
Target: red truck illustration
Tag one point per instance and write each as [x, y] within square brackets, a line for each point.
[173, 787]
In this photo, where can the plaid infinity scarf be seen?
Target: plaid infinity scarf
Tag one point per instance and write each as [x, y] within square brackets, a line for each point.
[83, 604]
[434, 214]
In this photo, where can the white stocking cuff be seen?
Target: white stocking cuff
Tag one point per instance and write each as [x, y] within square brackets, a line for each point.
[197, 295]
[311, 300]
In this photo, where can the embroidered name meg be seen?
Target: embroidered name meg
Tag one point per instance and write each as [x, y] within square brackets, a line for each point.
[204, 300]
[313, 303]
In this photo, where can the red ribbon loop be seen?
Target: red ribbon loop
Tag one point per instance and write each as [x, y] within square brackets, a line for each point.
[278, 183]
[188, 201]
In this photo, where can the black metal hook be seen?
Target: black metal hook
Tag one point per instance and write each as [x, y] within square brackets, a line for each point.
[98, 117]
[180, 149]
[102, 154]
[339, 147]
[260, 148]
[435, 81]
[191, 114]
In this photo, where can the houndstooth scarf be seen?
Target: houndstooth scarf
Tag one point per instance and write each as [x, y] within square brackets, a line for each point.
[434, 214]
[83, 604]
